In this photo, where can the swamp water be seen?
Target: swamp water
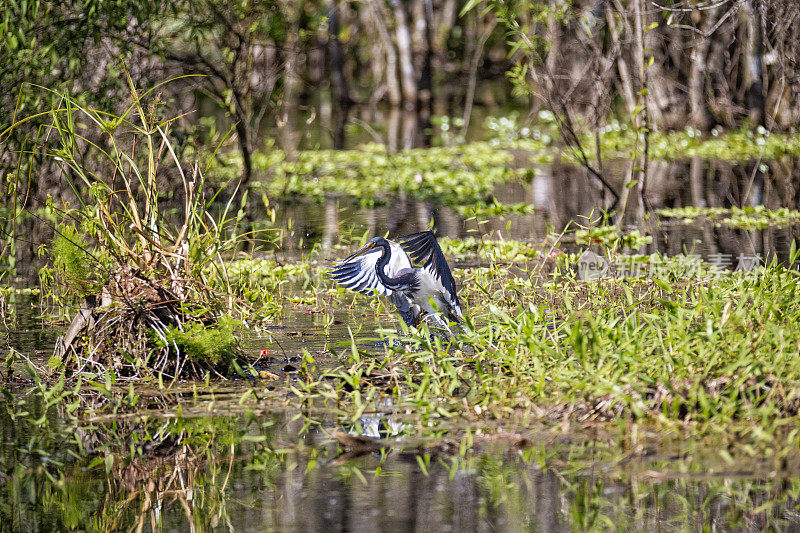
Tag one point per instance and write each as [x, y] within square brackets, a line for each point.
[234, 457]
[563, 196]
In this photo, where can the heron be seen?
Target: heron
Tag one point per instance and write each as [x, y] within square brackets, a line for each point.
[387, 267]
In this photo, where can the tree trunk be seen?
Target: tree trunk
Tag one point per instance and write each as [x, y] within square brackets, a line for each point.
[624, 82]
[699, 115]
[424, 24]
[392, 82]
[756, 105]
[287, 128]
[340, 95]
[553, 52]
[408, 81]
[473, 77]
[658, 85]
[393, 130]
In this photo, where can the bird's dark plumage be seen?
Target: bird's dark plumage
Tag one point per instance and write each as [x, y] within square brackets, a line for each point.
[424, 249]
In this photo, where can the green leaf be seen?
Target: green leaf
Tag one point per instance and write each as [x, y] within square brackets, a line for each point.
[468, 7]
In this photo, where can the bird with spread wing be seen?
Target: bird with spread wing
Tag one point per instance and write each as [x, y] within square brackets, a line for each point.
[387, 267]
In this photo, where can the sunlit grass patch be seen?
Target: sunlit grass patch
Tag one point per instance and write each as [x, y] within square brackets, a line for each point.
[716, 348]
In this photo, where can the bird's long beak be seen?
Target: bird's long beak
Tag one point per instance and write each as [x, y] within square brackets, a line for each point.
[361, 251]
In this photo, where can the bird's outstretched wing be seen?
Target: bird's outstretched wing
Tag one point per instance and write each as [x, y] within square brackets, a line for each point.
[358, 272]
[424, 249]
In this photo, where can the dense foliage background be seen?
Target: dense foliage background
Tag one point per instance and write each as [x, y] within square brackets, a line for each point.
[258, 73]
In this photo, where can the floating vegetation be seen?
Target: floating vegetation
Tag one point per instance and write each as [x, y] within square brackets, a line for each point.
[612, 237]
[618, 140]
[493, 250]
[506, 130]
[460, 174]
[495, 209]
[467, 173]
[757, 217]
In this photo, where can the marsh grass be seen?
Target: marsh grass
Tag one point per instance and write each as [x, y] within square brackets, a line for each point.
[143, 280]
[692, 345]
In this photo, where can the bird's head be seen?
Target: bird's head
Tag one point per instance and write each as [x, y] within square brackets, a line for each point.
[372, 244]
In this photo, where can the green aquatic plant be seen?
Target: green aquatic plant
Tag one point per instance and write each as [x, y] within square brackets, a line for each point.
[75, 265]
[216, 346]
[214, 455]
[467, 173]
[447, 175]
[745, 144]
[507, 130]
[495, 209]
[753, 217]
[612, 237]
[494, 250]
[449, 130]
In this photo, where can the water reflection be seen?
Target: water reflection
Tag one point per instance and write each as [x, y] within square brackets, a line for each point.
[381, 423]
[564, 194]
[272, 471]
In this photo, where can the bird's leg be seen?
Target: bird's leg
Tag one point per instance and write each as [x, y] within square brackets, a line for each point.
[437, 323]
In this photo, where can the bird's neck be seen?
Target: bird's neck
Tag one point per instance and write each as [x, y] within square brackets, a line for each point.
[380, 268]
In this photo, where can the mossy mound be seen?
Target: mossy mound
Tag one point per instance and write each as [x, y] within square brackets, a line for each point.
[140, 328]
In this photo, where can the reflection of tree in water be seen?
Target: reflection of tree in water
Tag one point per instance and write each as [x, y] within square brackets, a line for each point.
[564, 194]
[268, 472]
[501, 492]
[124, 471]
[159, 468]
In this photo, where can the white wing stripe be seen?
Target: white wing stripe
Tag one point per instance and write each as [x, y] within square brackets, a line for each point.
[359, 273]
